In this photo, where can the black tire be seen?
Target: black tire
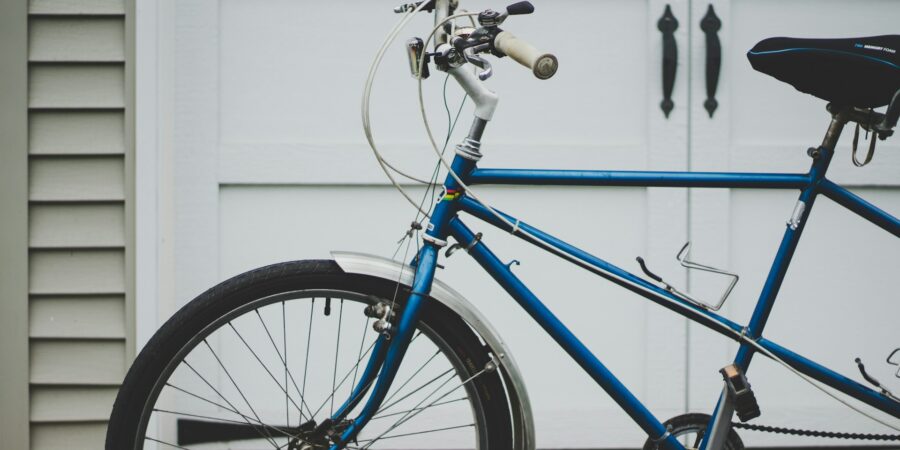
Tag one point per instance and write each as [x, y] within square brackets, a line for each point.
[695, 424]
[179, 336]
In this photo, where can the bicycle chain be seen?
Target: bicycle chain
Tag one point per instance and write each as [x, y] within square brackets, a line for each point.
[816, 433]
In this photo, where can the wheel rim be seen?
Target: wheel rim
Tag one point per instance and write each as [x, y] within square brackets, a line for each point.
[275, 348]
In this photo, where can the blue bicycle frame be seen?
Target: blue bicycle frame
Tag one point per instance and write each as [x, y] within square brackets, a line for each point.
[445, 222]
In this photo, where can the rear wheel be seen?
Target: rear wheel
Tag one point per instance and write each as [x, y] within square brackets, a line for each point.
[262, 359]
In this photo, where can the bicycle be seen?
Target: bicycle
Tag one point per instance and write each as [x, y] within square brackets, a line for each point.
[169, 392]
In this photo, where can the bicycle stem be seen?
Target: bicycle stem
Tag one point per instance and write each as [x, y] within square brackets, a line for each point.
[485, 100]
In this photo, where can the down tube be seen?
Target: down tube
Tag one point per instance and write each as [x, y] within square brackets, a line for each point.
[563, 336]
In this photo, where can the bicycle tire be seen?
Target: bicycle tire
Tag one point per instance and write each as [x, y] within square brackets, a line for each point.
[210, 312]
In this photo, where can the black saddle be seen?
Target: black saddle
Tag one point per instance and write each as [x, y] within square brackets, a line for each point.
[857, 72]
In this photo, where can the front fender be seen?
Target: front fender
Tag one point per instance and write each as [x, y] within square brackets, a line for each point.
[377, 266]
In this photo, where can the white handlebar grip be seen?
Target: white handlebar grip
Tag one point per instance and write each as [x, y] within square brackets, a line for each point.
[543, 65]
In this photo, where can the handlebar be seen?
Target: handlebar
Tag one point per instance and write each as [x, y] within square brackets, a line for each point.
[543, 65]
[489, 38]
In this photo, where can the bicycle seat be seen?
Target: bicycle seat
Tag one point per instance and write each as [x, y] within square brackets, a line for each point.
[858, 72]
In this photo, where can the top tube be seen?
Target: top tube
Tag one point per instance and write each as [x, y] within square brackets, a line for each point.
[543, 177]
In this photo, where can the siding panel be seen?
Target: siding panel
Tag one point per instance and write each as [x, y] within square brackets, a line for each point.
[77, 362]
[78, 317]
[77, 179]
[81, 436]
[81, 132]
[76, 39]
[56, 404]
[76, 7]
[76, 86]
[77, 225]
[76, 272]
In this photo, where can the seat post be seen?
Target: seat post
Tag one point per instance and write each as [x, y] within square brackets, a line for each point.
[838, 120]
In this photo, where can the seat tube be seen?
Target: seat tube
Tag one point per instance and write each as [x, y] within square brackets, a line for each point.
[792, 233]
[720, 425]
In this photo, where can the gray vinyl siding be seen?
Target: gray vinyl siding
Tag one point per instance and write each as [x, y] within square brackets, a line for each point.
[14, 401]
[80, 190]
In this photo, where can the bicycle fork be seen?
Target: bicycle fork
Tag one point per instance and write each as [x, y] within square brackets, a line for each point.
[388, 352]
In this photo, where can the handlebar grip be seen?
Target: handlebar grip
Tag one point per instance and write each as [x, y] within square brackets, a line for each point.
[544, 65]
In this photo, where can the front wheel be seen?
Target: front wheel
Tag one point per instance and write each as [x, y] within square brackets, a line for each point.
[262, 359]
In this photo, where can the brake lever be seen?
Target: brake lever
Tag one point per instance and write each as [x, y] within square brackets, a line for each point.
[469, 50]
[486, 69]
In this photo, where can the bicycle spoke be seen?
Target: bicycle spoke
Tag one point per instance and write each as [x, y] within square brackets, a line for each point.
[362, 341]
[221, 420]
[435, 430]
[423, 386]
[234, 383]
[271, 375]
[246, 418]
[148, 438]
[410, 378]
[284, 360]
[417, 410]
[306, 362]
[199, 416]
[325, 402]
[383, 416]
[216, 404]
[337, 351]
[233, 408]
[287, 407]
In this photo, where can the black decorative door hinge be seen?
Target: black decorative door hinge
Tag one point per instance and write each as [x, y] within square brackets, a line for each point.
[710, 24]
[667, 25]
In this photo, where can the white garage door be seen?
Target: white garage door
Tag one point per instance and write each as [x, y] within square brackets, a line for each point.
[271, 165]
